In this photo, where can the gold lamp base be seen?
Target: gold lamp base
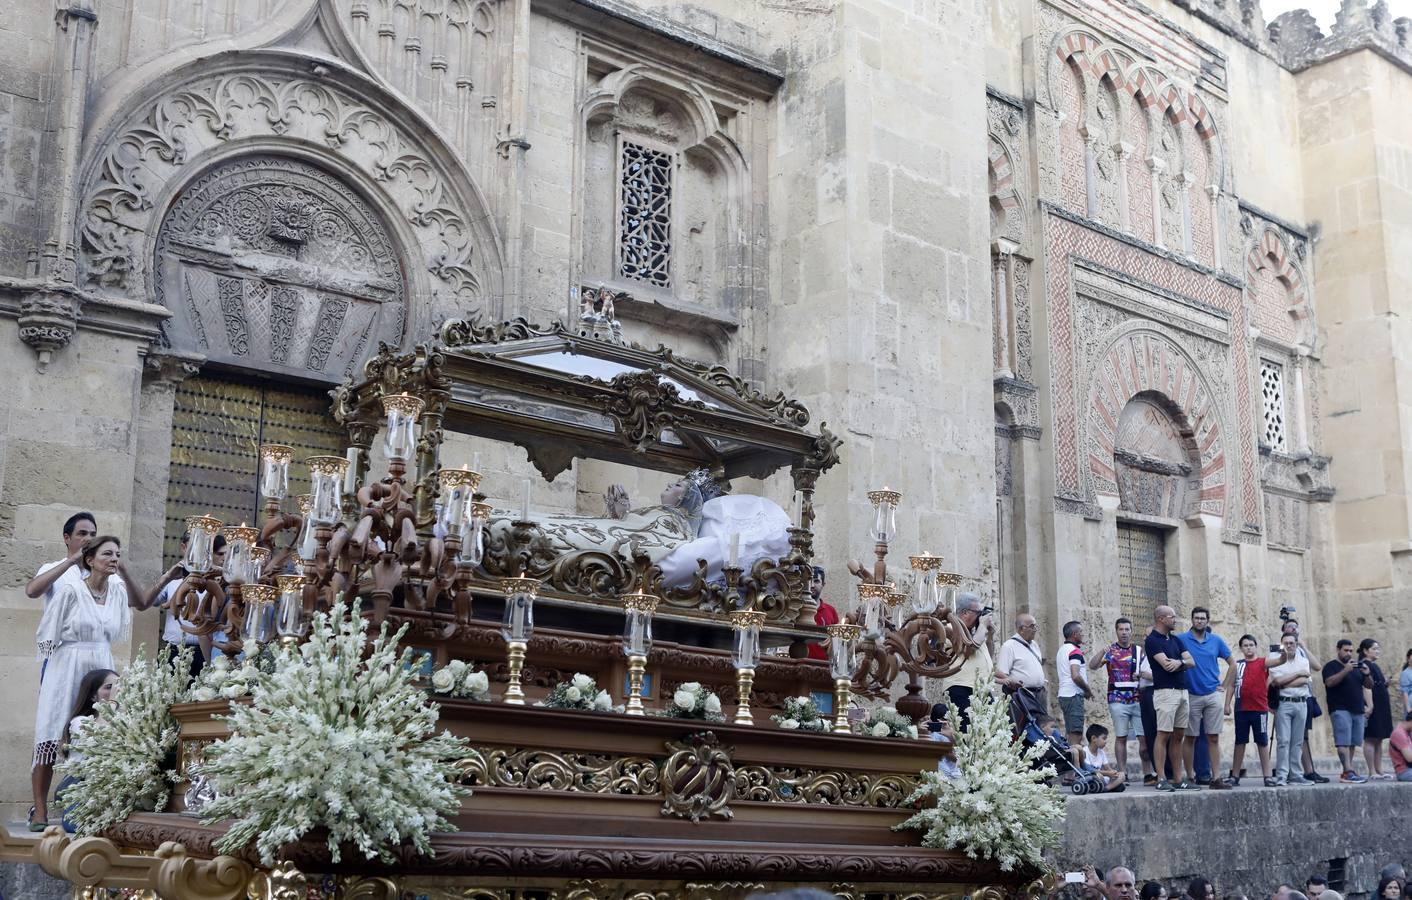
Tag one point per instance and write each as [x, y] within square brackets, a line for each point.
[514, 695]
[842, 694]
[744, 681]
[636, 666]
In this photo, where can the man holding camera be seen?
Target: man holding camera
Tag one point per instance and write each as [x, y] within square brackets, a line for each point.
[1344, 681]
[974, 634]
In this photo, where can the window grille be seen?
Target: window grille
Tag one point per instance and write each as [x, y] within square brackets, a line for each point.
[1272, 404]
[645, 215]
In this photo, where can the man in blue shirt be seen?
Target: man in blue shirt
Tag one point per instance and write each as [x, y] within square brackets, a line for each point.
[1205, 700]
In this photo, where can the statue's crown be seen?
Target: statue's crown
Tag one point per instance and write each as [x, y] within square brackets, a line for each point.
[704, 483]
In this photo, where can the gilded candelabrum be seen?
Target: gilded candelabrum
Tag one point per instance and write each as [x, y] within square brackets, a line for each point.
[843, 643]
[637, 643]
[520, 594]
[746, 623]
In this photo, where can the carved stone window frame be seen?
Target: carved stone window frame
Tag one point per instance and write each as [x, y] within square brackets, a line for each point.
[623, 136]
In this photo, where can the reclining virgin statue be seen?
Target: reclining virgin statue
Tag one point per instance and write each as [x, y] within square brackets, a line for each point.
[693, 522]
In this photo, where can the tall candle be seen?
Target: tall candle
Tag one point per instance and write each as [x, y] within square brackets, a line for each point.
[735, 549]
[524, 502]
[310, 546]
[350, 478]
[475, 462]
[799, 509]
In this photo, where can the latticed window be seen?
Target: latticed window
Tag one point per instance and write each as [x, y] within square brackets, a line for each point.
[1272, 404]
[645, 215]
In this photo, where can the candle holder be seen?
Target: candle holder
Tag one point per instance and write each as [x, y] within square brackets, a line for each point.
[732, 574]
[928, 567]
[472, 550]
[290, 623]
[843, 644]
[637, 643]
[896, 602]
[871, 598]
[520, 594]
[240, 542]
[884, 526]
[259, 558]
[746, 623]
[260, 609]
[274, 476]
[457, 487]
[308, 546]
[200, 543]
[402, 411]
[326, 473]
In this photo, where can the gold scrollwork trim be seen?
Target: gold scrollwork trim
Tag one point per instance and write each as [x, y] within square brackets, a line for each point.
[546, 770]
[780, 784]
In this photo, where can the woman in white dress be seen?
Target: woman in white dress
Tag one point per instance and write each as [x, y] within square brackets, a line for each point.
[76, 635]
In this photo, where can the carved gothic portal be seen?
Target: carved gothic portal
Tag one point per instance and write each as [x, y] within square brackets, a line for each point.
[273, 264]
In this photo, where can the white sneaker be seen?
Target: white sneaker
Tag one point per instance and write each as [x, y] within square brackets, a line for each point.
[1299, 779]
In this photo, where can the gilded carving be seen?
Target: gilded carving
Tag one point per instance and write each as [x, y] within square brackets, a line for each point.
[559, 771]
[827, 788]
[642, 407]
[698, 779]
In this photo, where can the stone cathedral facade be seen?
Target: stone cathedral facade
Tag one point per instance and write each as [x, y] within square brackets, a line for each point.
[1112, 290]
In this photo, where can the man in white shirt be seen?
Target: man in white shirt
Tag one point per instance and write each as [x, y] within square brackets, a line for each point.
[1019, 666]
[1073, 686]
[1289, 671]
[974, 629]
[79, 529]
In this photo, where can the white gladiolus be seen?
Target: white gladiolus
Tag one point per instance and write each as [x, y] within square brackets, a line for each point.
[685, 699]
[442, 680]
[582, 681]
[204, 694]
[713, 703]
[911, 730]
[573, 694]
[231, 691]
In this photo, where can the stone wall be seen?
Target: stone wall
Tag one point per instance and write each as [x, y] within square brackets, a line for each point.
[1244, 841]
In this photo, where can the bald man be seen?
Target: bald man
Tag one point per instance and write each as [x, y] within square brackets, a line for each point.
[1170, 660]
[1019, 667]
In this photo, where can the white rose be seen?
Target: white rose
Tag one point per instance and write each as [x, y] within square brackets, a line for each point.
[692, 686]
[582, 681]
[442, 680]
[912, 730]
[457, 667]
[880, 730]
[220, 663]
[202, 694]
[684, 699]
[477, 684]
[802, 701]
[573, 694]
[231, 691]
[789, 724]
[602, 701]
[713, 704]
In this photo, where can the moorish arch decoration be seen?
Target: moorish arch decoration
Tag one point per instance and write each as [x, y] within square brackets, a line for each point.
[282, 205]
[1277, 288]
[271, 263]
[1147, 365]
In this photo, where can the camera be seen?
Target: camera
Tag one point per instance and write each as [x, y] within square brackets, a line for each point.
[1286, 612]
[987, 610]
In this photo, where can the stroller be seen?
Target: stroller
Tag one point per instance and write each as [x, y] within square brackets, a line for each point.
[1058, 753]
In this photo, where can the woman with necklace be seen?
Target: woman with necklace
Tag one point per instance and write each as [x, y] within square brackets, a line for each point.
[76, 635]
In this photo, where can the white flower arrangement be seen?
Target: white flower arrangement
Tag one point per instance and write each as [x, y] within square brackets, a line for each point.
[692, 700]
[456, 679]
[579, 692]
[801, 714]
[128, 748]
[219, 679]
[886, 721]
[339, 737]
[999, 808]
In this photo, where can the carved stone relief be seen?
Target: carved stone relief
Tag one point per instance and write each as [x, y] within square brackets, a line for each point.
[272, 263]
[150, 150]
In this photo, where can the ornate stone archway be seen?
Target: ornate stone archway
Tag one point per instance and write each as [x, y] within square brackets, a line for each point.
[272, 263]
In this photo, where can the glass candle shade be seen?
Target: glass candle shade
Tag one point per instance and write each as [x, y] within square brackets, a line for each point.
[260, 610]
[885, 514]
[473, 547]
[274, 470]
[519, 608]
[637, 629]
[201, 534]
[746, 649]
[402, 410]
[843, 644]
[307, 545]
[457, 488]
[240, 541]
[896, 607]
[289, 618]
[928, 596]
[948, 583]
[871, 598]
[326, 473]
[259, 558]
